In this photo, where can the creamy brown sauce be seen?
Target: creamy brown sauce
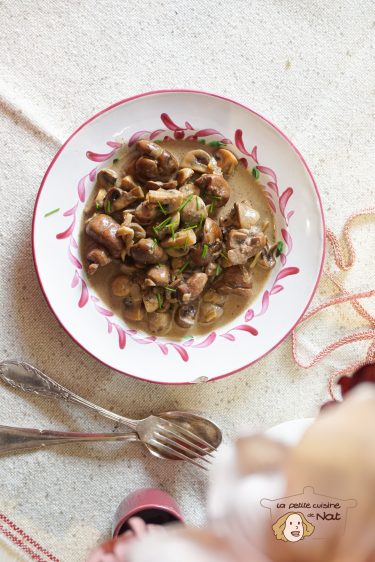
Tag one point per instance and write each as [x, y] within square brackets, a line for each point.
[243, 186]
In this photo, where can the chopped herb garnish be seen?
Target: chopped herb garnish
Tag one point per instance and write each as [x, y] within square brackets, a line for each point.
[205, 250]
[160, 300]
[255, 172]
[186, 264]
[154, 243]
[218, 270]
[201, 221]
[197, 203]
[216, 143]
[162, 208]
[97, 206]
[187, 200]
[255, 260]
[202, 141]
[279, 248]
[52, 212]
[224, 255]
[108, 206]
[115, 160]
[190, 227]
[211, 207]
[162, 225]
[172, 230]
[170, 289]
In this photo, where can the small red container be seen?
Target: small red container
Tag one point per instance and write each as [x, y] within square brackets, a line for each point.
[152, 505]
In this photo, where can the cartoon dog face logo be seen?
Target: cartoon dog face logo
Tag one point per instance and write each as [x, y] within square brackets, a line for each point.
[292, 527]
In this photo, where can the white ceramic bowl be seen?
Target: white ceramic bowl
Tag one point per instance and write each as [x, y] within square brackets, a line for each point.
[287, 183]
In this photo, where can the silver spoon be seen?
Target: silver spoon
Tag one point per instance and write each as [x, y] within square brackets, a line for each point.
[196, 434]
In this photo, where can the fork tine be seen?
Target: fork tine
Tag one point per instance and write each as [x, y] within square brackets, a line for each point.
[179, 447]
[190, 434]
[155, 443]
[192, 445]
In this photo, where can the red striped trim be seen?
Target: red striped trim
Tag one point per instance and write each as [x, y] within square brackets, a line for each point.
[18, 537]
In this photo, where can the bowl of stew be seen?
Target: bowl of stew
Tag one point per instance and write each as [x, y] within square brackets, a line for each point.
[178, 236]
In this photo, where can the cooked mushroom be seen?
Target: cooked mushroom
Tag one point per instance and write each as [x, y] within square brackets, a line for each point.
[267, 258]
[235, 280]
[168, 200]
[192, 288]
[226, 160]
[172, 184]
[159, 322]
[106, 178]
[247, 216]
[117, 199]
[121, 286]
[133, 305]
[159, 274]
[103, 229]
[211, 232]
[148, 251]
[214, 297]
[128, 183]
[150, 299]
[210, 246]
[139, 231]
[185, 315]
[209, 313]
[183, 175]
[243, 244]
[148, 148]
[198, 160]
[167, 226]
[99, 199]
[146, 213]
[194, 212]
[180, 244]
[189, 189]
[97, 257]
[216, 190]
[157, 164]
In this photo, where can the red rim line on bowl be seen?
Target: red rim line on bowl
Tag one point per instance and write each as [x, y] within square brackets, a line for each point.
[153, 92]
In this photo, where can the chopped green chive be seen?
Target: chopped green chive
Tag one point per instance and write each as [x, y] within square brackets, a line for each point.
[190, 227]
[186, 264]
[108, 206]
[162, 225]
[115, 160]
[216, 143]
[255, 172]
[154, 243]
[160, 300]
[205, 250]
[201, 221]
[97, 206]
[224, 255]
[52, 212]
[211, 207]
[218, 270]
[172, 230]
[162, 208]
[279, 248]
[187, 200]
[202, 141]
[197, 203]
[170, 289]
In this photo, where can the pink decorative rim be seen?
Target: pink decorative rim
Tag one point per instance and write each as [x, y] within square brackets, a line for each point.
[271, 193]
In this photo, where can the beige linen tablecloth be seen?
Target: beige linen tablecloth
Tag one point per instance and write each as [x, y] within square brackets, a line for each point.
[308, 65]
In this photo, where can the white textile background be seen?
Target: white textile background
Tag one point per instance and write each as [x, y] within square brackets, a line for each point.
[308, 65]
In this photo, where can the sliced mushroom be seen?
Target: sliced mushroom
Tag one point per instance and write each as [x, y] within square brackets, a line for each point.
[180, 244]
[117, 199]
[147, 251]
[227, 161]
[243, 244]
[99, 199]
[159, 322]
[183, 175]
[128, 183]
[133, 305]
[146, 213]
[150, 299]
[210, 246]
[159, 274]
[106, 178]
[185, 315]
[214, 297]
[172, 184]
[169, 200]
[167, 226]
[103, 229]
[209, 313]
[194, 212]
[198, 160]
[235, 280]
[139, 231]
[216, 190]
[121, 286]
[192, 287]
[211, 232]
[97, 257]
[190, 189]
[267, 258]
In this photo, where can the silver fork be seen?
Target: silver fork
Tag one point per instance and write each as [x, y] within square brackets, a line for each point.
[174, 435]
